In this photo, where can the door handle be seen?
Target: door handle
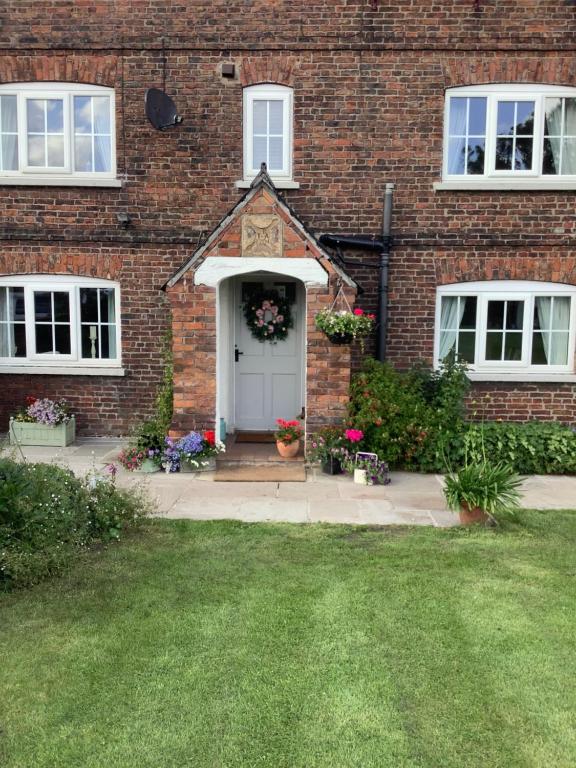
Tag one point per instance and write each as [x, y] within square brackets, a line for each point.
[237, 354]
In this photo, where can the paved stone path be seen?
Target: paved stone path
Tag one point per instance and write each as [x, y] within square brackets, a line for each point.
[410, 499]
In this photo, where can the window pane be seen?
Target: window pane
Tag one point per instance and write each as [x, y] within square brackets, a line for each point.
[83, 153]
[35, 115]
[61, 307]
[55, 151]
[504, 149]
[108, 341]
[570, 117]
[259, 117]
[55, 115]
[540, 342]
[542, 308]
[496, 314]
[457, 120]
[3, 304]
[102, 154]
[559, 348]
[515, 315]
[275, 144]
[82, 114]
[259, 150]
[561, 313]
[456, 155]
[569, 156]
[9, 153]
[525, 118]
[43, 339]
[42, 306]
[476, 156]
[62, 334]
[493, 345]
[4, 340]
[18, 341]
[505, 125]
[89, 305]
[447, 343]
[553, 117]
[89, 336]
[469, 314]
[477, 117]
[36, 151]
[8, 110]
[276, 117]
[523, 156]
[551, 159]
[466, 346]
[101, 105]
[513, 346]
[107, 305]
[16, 305]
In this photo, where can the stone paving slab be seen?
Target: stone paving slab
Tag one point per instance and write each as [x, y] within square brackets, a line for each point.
[410, 499]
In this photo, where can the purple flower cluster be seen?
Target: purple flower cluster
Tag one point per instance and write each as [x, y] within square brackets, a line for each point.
[49, 412]
[191, 444]
[171, 455]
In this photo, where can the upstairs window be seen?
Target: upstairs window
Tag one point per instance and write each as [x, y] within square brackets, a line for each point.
[52, 320]
[56, 131]
[268, 131]
[507, 326]
[503, 133]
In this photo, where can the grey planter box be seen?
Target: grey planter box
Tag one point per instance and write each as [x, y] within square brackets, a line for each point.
[29, 433]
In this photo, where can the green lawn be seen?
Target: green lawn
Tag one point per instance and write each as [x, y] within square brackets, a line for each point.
[224, 644]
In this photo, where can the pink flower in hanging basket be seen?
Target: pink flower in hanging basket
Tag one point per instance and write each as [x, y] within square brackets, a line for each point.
[358, 311]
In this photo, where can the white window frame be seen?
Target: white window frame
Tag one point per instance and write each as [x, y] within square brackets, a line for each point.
[513, 290]
[67, 175]
[505, 179]
[270, 92]
[58, 363]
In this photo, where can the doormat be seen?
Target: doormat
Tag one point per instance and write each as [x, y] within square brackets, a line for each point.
[255, 437]
[261, 473]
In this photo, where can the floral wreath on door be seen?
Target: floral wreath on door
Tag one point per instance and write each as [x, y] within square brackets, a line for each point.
[268, 316]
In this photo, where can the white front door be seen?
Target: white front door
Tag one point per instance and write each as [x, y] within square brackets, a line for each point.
[268, 377]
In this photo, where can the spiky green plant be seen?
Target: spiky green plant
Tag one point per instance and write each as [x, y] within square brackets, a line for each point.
[492, 487]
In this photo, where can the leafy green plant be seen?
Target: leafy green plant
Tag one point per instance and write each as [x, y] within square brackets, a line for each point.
[48, 516]
[492, 487]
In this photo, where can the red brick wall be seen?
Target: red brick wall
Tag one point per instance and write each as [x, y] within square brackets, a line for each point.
[369, 80]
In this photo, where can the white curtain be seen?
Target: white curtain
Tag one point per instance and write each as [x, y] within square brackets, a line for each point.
[457, 142]
[450, 318]
[7, 329]
[560, 326]
[569, 149]
[554, 129]
[9, 130]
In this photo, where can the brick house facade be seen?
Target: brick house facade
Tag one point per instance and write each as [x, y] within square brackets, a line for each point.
[369, 83]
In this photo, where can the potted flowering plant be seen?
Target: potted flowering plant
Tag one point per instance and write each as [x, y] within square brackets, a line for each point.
[327, 448]
[368, 469]
[288, 434]
[195, 452]
[131, 459]
[43, 422]
[344, 326]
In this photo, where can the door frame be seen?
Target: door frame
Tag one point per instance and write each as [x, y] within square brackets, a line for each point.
[226, 297]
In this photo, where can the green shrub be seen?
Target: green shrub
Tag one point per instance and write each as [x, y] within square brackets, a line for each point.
[532, 448]
[410, 419]
[47, 516]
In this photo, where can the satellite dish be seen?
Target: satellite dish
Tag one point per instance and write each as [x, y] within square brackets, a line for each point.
[161, 110]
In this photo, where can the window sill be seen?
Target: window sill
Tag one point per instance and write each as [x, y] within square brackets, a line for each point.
[278, 183]
[62, 370]
[512, 185]
[548, 378]
[58, 181]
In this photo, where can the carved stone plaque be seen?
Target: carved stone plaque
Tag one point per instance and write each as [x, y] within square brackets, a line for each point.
[262, 235]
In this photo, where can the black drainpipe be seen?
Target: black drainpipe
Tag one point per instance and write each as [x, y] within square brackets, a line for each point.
[383, 278]
[383, 245]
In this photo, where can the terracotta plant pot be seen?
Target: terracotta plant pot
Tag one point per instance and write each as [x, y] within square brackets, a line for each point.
[472, 516]
[288, 450]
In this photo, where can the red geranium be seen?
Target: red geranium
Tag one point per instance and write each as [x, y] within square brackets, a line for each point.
[358, 311]
[210, 436]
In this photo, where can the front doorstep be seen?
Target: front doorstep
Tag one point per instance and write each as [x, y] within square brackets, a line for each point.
[30, 433]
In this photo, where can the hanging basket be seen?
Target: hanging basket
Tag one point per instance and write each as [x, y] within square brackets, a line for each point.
[340, 338]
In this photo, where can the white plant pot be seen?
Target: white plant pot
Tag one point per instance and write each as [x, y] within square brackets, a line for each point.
[360, 477]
